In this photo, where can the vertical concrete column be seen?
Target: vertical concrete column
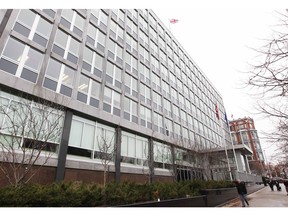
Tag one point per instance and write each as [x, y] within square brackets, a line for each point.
[118, 154]
[151, 160]
[5, 19]
[60, 171]
[247, 164]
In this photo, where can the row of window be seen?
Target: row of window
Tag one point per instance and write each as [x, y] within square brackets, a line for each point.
[22, 121]
[38, 29]
[87, 139]
[60, 78]
[21, 118]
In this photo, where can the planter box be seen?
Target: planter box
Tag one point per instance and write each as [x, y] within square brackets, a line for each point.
[197, 201]
[209, 198]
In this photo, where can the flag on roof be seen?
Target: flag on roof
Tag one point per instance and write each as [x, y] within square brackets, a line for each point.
[173, 21]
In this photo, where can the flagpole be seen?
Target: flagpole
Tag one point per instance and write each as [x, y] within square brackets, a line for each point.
[169, 25]
[236, 161]
[223, 134]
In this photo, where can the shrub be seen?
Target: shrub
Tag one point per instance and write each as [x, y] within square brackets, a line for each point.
[78, 194]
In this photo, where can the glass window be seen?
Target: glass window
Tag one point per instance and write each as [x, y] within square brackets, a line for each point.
[76, 132]
[26, 17]
[83, 84]
[14, 49]
[68, 76]
[34, 59]
[43, 31]
[53, 69]
[95, 90]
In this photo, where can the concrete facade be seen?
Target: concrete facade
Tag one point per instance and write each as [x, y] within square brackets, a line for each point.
[119, 74]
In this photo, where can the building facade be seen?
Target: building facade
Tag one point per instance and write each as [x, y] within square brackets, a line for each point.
[244, 133]
[120, 77]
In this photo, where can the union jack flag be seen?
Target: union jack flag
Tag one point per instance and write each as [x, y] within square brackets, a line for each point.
[173, 21]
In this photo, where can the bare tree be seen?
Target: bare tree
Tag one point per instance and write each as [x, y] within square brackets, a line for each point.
[269, 76]
[28, 136]
[107, 151]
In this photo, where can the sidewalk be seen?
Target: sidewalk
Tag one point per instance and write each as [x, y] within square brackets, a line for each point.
[264, 198]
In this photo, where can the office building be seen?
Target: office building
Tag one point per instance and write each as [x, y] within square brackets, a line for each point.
[120, 76]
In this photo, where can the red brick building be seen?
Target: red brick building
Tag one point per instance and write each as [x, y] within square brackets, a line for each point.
[243, 131]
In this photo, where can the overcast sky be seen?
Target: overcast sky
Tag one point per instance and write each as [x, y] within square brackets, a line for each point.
[219, 40]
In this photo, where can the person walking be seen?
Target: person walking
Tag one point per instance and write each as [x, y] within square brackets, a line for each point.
[277, 185]
[242, 191]
[285, 182]
[271, 184]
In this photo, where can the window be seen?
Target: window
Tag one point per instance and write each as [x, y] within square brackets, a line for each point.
[87, 139]
[162, 155]
[30, 121]
[59, 77]
[131, 85]
[156, 82]
[174, 95]
[134, 149]
[88, 91]
[163, 56]
[145, 117]
[157, 101]
[177, 131]
[164, 72]
[143, 38]
[168, 127]
[95, 37]
[118, 16]
[145, 94]
[144, 55]
[144, 73]
[73, 21]
[131, 44]
[131, 63]
[167, 107]
[143, 23]
[50, 12]
[66, 46]
[113, 74]
[176, 112]
[21, 60]
[155, 64]
[132, 28]
[116, 32]
[130, 110]
[115, 52]
[92, 62]
[158, 123]
[33, 26]
[111, 103]
[154, 47]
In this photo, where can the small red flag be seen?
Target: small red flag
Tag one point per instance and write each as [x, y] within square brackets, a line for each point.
[173, 21]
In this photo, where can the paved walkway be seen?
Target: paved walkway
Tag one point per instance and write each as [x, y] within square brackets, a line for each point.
[264, 198]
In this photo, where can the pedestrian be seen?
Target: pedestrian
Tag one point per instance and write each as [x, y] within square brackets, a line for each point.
[271, 184]
[242, 191]
[277, 185]
[285, 182]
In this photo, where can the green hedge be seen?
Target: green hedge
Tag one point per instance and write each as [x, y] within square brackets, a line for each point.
[78, 194]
